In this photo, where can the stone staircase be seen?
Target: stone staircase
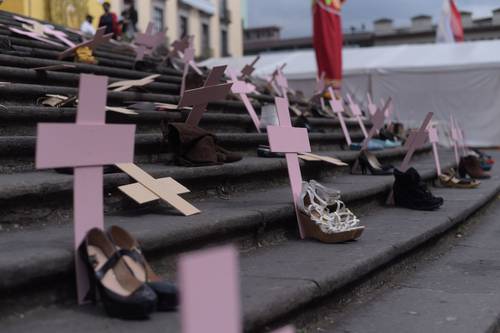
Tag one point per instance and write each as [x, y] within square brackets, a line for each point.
[247, 203]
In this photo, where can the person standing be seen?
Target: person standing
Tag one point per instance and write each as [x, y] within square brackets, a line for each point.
[110, 21]
[328, 40]
[87, 28]
[130, 19]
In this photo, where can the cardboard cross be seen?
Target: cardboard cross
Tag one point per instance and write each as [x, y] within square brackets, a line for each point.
[40, 31]
[200, 97]
[243, 88]
[282, 83]
[125, 85]
[372, 108]
[291, 141]
[148, 42]
[149, 189]
[99, 38]
[414, 141]
[87, 146]
[338, 108]
[209, 275]
[356, 111]
[434, 140]
[248, 70]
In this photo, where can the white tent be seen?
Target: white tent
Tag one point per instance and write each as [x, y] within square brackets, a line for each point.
[460, 79]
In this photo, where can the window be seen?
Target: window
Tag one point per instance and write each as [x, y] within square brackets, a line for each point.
[205, 39]
[224, 43]
[183, 26]
[158, 18]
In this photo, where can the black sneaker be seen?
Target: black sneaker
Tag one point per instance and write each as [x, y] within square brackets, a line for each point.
[410, 192]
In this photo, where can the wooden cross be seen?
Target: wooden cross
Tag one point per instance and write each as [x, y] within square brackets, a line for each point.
[338, 108]
[125, 85]
[149, 189]
[356, 111]
[243, 88]
[415, 141]
[291, 141]
[434, 140]
[210, 292]
[248, 70]
[199, 98]
[99, 38]
[147, 42]
[87, 146]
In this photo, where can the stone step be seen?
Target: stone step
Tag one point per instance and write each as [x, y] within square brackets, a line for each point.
[45, 196]
[17, 153]
[457, 291]
[23, 120]
[277, 279]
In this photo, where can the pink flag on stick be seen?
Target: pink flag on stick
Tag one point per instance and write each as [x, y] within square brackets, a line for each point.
[210, 292]
[434, 140]
[291, 141]
[338, 109]
[87, 146]
[200, 97]
[356, 111]
[148, 42]
[243, 88]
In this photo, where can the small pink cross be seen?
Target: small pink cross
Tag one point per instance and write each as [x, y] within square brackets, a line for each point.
[378, 120]
[371, 106]
[455, 138]
[248, 70]
[338, 108]
[87, 146]
[416, 141]
[99, 38]
[291, 141]
[243, 88]
[33, 35]
[61, 35]
[210, 292]
[434, 140]
[356, 111]
[200, 97]
[148, 42]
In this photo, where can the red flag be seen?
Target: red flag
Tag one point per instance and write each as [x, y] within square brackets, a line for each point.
[456, 23]
[328, 39]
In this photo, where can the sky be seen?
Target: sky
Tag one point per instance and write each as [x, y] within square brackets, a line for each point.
[294, 16]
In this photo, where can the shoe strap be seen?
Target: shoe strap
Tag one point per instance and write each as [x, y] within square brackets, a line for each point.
[115, 258]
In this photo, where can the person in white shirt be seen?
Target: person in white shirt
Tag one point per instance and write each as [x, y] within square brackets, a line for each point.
[87, 28]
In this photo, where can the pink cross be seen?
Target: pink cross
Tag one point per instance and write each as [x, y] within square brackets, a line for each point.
[200, 97]
[248, 70]
[188, 56]
[87, 146]
[455, 138]
[243, 88]
[356, 111]
[434, 140]
[282, 83]
[210, 292]
[148, 42]
[371, 106]
[378, 120]
[33, 35]
[99, 38]
[416, 141]
[338, 108]
[291, 141]
[61, 35]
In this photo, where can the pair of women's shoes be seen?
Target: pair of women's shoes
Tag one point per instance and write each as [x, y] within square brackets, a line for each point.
[119, 273]
[452, 180]
[471, 166]
[323, 216]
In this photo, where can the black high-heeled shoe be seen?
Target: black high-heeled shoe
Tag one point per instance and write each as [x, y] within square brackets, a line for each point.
[369, 162]
[121, 293]
[166, 292]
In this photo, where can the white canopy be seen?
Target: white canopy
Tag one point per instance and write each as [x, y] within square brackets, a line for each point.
[460, 79]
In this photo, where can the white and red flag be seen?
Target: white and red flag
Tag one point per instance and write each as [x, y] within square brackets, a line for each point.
[450, 28]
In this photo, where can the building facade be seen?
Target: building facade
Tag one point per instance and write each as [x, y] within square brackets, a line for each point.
[421, 30]
[216, 24]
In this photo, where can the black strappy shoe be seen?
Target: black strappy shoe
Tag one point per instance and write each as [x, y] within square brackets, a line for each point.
[370, 162]
[166, 292]
[121, 293]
